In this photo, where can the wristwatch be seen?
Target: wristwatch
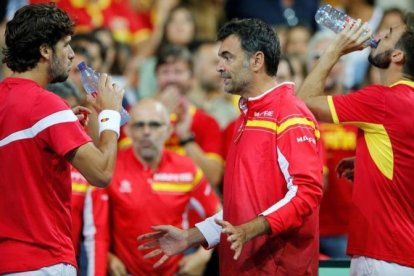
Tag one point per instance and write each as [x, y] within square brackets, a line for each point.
[189, 139]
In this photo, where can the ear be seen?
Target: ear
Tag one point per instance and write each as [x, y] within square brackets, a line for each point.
[46, 51]
[398, 57]
[257, 61]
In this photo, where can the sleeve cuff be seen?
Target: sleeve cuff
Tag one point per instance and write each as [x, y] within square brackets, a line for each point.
[211, 230]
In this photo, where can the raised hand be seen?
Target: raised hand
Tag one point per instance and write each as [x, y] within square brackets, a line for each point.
[109, 97]
[351, 38]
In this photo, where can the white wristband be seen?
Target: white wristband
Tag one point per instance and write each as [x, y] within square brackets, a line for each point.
[109, 120]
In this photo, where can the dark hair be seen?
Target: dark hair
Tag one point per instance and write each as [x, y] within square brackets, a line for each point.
[31, 27]
[171, 53]
[90, 38]
[406, 44]
[255, 35]
[80, 50]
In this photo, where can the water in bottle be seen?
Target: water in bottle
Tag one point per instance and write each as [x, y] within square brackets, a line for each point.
[335, 20]
[89, 80]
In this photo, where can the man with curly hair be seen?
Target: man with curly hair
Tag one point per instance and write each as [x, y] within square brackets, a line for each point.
[39, 136]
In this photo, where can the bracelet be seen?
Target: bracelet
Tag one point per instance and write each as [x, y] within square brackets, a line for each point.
[109, 120]
[187, 140]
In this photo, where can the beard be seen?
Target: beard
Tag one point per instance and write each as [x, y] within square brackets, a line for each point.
[241, 83]
[382, 60]
[57, 72]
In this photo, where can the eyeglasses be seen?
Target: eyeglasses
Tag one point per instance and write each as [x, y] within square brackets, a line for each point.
[153, 125]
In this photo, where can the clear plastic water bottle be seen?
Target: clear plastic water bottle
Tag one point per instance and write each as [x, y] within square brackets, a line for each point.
[336, 20]
[89, 80]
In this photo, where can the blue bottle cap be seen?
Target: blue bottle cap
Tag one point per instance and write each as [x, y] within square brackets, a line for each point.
[82, 66]
[373, 43]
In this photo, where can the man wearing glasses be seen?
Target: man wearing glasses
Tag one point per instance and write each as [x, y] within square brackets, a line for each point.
[153, 186]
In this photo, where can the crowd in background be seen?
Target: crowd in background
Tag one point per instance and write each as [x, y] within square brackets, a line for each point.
[167, 50]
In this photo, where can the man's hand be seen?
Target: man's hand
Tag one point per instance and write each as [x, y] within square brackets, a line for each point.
[194, 264]
[239, 235]
[345, 168]
[350, 39]
[167, 240]
[115, 266]
[82, 113]
[109, 96]
[235, 235]
[170, 97]
[184, 119]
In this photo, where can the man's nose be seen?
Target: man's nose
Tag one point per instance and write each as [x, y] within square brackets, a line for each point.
[71, 53]
[220, 67]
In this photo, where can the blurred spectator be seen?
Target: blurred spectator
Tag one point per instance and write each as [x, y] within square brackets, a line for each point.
[152, 186]
[196, 134]
[105, 36]
[282, 31]
[275, 12]
[117, 62]
[209, 16]
[297, 40]
[179, 28]
[208, 92]
[285, 71]
[93, 46]
[117, 15]
[81, 54]
[299, 66]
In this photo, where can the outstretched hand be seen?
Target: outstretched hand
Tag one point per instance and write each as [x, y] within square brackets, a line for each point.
[167, 240]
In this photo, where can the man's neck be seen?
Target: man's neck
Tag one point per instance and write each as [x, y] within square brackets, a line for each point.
[258, 87]
[34, 75]
[391, 75]
[149, 163]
